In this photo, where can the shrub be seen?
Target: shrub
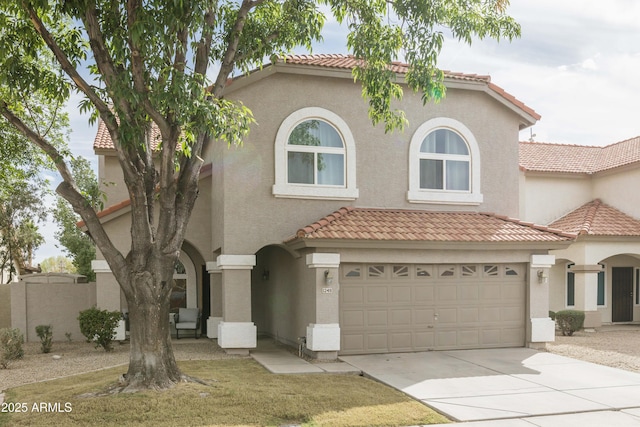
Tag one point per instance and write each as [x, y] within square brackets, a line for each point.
[552, 315]
[11, 341]
[68, 335]
[45, 333]
[570, 321]
[99, 325]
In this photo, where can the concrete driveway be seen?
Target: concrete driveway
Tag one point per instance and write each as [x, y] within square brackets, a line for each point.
[470, 385]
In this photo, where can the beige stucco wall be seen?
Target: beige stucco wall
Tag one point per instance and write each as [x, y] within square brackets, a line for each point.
[5, 306]
[284, 305]
[614, 188]
[56, 301]
[545, 198]
[250, 209]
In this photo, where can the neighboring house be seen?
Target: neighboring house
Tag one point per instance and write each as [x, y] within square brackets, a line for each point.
[588, 191]
[323, 227]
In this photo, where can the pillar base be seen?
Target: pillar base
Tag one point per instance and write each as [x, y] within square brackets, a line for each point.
[237, 335]
[323, 337]
[212, 326]
[592, 319]
[543, 330]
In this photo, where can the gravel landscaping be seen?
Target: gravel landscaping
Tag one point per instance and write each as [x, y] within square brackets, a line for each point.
[616, 346]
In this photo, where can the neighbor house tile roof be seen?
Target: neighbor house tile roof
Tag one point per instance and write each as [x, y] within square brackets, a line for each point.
[544, 157]
[598, 219]
[413, 225]
[103, 140]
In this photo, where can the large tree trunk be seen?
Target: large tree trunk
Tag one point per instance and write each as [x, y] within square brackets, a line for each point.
[152, 363]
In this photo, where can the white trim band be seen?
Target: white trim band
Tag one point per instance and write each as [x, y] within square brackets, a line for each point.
[100, 266]
[323, 260]
[236, 262]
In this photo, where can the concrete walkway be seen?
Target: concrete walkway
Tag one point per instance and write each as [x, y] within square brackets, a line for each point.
[519, 385]
[279, 360]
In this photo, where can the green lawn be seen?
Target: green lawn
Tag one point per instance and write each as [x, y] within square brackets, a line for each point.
[240, 393]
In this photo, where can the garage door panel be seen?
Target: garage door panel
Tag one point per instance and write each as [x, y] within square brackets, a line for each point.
[377, 342]
[401, 294]
[401, 317]
[352, 295]
[447, 316]
[469, 315]
[424, 293]
[377, 318]
[468, 293]
[393, 308]
[377, 294]
[401, 341]
[447, 293]
[424, 316]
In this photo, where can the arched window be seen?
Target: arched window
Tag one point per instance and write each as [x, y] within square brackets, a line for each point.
[315, 154]
[444, 164]
[315, 157]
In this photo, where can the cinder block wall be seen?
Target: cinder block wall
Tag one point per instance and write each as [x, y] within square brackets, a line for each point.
[5, 306]
[55, 299]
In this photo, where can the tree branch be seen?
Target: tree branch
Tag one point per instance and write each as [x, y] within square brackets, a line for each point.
[69, 190]
[229, 58]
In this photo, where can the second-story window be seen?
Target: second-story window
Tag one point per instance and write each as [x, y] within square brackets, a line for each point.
[315, 157]
[315, 154]
[444, 162]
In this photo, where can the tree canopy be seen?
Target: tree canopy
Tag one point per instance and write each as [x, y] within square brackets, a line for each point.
[165, 64]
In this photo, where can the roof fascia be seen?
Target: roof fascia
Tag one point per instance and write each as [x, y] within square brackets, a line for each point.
[556, 174]
[346, 73]
[301, 243]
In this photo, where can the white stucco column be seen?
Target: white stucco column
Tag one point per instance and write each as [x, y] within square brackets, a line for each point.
[236, 332]
[323, 336]
[586, 293]
[108, 294]
[215, 317]
[540, 329]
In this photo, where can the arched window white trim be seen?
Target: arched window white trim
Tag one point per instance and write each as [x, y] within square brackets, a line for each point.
[472, 196]
[282, 188]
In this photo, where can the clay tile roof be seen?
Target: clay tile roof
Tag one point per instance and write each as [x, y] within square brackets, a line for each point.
[349, 62]
[413, 225]
[103, 141]
[544, 157]
[598, 219]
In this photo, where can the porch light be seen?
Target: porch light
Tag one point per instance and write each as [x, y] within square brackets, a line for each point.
[328, 278]
[543, 277]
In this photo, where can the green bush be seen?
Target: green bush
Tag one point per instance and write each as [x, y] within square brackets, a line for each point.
[11, 341]
[45, 333]
[552, 315]
[570, 321]
[99, 325]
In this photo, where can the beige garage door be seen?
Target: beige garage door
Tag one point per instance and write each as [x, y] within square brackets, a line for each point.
[400, 307]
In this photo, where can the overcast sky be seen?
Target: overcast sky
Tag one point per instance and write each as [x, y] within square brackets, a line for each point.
[576, 64]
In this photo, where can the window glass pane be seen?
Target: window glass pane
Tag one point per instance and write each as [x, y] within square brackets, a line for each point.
[300, 168]
[601, 288]
[330, 169]
[457, 175]
[637, 286]
[431, 174]
[376, 271]
[315, 133]
[571, 289]
[444, 141]
[400, 271]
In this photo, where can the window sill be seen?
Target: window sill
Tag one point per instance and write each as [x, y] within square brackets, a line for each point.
[442, 197]
[314, 192]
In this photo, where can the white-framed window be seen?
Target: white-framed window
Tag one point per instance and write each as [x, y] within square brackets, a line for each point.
[444, 164]
[315, 157]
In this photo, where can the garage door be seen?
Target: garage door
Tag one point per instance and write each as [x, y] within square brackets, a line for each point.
[400, 307]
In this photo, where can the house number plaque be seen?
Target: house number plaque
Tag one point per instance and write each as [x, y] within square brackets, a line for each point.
[327, 290]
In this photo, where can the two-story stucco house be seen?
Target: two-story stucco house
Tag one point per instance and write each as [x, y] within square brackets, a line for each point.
[589, 191]
[323, 226]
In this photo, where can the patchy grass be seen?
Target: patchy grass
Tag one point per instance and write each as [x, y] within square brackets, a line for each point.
[239, 393]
